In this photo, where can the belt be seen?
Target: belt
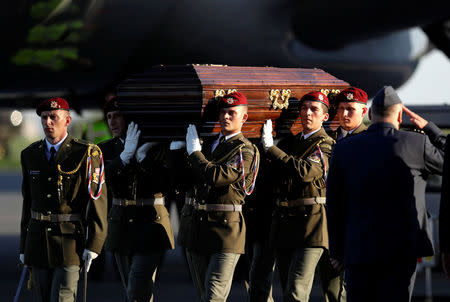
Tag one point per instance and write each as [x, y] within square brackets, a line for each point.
[219, 207]
[55, 217]
[301, 202]
[140, 202]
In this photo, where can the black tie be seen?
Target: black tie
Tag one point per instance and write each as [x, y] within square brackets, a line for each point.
[221, 140]
[52, 155]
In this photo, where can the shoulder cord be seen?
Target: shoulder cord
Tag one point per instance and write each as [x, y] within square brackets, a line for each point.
[89, 164]
[255, 172]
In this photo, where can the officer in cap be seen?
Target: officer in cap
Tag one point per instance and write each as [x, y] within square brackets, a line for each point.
[139, 230]
[444, 214]
[378, 221]
[224, 169]
[299, 226]
[352, 107]
[64, 205]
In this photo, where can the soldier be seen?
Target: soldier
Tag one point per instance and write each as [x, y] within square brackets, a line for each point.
[213, 226]
[139, 230]
[378, 220]
[352, 106]
[64, 205]
[444, 213]
[299, 227]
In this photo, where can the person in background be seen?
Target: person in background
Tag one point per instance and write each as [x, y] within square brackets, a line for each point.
[352, 107]
[139, 231]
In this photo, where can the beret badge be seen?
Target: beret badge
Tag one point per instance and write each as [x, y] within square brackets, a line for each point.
[350, 96]
[54, 104]
[230, 101]
[320, 97]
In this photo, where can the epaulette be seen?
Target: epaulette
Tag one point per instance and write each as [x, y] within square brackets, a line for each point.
[248, 144]
[326, 142]
[35, 144]
[82, 141]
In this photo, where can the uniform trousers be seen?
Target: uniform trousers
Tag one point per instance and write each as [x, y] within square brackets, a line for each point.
[381, 282]
[55, 285]
[138, 273]
[261, 273]
[212, 274]
[297, 268]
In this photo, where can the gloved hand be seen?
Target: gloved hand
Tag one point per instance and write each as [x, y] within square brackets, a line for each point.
[88, 256]
[177, 145]
[22, 258]
[141, 152]
[266, 136]
[192, 140]
[131, 142]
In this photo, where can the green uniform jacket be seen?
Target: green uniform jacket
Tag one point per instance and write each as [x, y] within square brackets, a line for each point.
[218, 180]
[137, 228]
[300, 169]
[48, 191]
[334, 134]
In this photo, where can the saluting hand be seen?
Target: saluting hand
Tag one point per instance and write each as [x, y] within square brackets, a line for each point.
[416, 119]
[131, 142]
[266, 137]
[192, 140]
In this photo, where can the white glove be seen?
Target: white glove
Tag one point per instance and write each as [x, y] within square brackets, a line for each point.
[131, 142]
[141, 152]
[266, 137]
[176, 145]
[192, 140]
[22, 258]
[88, 256]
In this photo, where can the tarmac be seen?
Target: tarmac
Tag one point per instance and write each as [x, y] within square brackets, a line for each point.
[173, 282]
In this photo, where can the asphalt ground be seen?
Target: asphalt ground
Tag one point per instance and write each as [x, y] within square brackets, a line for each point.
[173, 282]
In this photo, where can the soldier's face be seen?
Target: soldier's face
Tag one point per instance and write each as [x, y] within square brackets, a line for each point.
[231, 119]
[351, 114]
[116, 123]
[312, 115]
[55, 123]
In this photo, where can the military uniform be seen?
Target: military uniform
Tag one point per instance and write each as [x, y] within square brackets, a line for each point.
[138, 222]
[212, 224]
[338, 134]
[59, 217]
[258, 215]
[299, 226]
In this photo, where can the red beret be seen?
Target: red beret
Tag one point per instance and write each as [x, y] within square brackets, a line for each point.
[52, 104]
[352, 94]
[316, 96]
[110, 105]
[232, 99]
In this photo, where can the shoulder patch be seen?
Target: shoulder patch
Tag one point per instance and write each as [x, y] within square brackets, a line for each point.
[234, 162]
[314, 157]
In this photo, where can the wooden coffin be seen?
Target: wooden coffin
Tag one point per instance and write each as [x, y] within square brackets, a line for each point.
[165, 99]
